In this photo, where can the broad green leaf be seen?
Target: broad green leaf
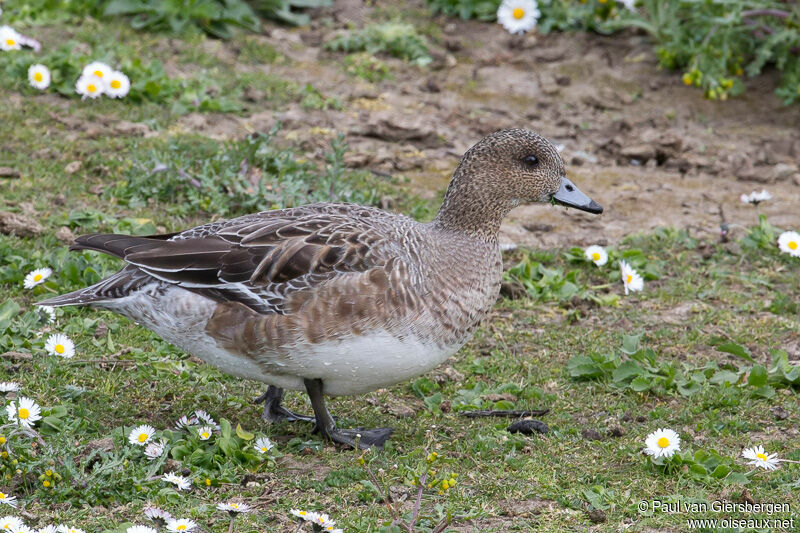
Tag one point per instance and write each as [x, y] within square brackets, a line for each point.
[721, 471]
[758, 376]
[244, 435]
[630, 343]
[737, 350]
[627, 370]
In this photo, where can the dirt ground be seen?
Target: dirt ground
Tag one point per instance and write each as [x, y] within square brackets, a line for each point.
[652, 151]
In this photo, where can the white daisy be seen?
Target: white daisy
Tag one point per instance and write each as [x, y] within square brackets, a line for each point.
[308, 516]
[205, 432]
[48, 529]
[630, 4]
[184, 422]
[37, 277]
[89, 87]
[518, 16]
[39, 76]
[155, 449]
[9, 386]
[789, 243]
[597, 255]
[323, 520]
[60, 345]
[630, 278]
[180, 482]
[662, 443]
[9, 39]
[23, 529]
[205, 417]
[69, 529]
[263, 444]
[117, 84]
[140, 529]
[97, 68]
[755, 198]
[49, 312]
[140, 435]
[758, 457]
[181, 525]
[154, 513]
[233, 507]
[10, 523]
[8, 499]
[23, 412]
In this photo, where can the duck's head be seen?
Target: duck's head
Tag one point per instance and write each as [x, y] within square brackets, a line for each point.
[506, 169]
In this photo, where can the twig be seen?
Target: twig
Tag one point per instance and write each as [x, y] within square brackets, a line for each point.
[759, 12]
[443, 523]
[422, 480]
[230, 527]
[504, 412]
[110, 361]
[388, 498]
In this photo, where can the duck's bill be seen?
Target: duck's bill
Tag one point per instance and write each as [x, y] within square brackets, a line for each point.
[571, 196]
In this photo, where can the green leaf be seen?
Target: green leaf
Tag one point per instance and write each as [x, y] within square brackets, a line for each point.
[433, 402]
[724, 376]
[758, 376]
[244, 435]
[737, 477]
[737, 350]
[581, 366]
[766, 392]
[640, 384]
[627, 370]
[225, 428]
[630, 343]
[721, 471]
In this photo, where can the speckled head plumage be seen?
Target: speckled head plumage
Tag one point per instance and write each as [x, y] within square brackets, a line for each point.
[505, 169]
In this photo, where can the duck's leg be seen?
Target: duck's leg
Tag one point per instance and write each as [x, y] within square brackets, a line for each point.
[274, 411]
[361, 438]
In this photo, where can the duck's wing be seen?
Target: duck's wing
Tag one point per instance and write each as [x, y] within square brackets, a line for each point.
[259, 261]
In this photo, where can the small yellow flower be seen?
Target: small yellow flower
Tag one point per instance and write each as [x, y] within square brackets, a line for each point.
[46, 482]
[687, 79]
[2, 440]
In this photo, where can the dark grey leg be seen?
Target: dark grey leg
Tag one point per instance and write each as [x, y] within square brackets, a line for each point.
[357, 438]
[274, 411]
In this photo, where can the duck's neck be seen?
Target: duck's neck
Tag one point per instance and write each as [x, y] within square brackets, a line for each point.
[472, 209]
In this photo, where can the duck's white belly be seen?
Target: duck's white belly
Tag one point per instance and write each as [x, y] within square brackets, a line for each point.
[351, 365]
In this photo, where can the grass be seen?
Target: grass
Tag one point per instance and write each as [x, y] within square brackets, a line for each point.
[588, 471]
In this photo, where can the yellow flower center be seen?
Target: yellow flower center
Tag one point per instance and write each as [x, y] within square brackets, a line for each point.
[595, 256]
[628, 279]
[59, 348]
[234, 506]
[2, 440]
[761, 456]
[48, 472]
[303, 513]
[142, 437]
[2, 496]
[792, 245]
[38, 77]
[115, 84]
[38, 277]
[24, 413]
[98, 73]
[46, 483]
[518, 13]
[181, 527]
[204, 434]
[11, 42]
[264, 449]
[208, 481]
[663, 442]
[92, 88]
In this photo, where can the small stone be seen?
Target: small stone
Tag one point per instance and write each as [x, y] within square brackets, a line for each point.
[65, 235]
[591, 434]
[779, 413]
[616, 431]
[400, 410]
[59, 199]
[453, 374]
[782, 171]
[528, 427]
[596, 516]
[96, 189]
[640, 152]
[73, 167]
[8, 172]
[101, 330]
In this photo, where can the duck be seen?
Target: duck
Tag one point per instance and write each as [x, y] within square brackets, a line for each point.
[334, 299]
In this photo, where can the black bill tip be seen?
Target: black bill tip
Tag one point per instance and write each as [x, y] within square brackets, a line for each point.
[569, 195]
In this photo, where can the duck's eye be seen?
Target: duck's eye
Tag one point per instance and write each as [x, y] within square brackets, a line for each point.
[531, 160]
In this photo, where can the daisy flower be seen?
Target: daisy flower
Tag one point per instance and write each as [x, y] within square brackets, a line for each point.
[89, 87]
[24, 412]
[323, 520]
[308, 516]
[184, 422]
[37, 277]
[759, 458]
[755, 198]
[518, 16]
[49, 312]
[789, 243]
[233, 507]
[263, 445]
[140, 435]
[48, 529]
[97, 68]
[140, 529]
[155, 449]
[10, 523]
[181, 525]
[59, 344]
[662, 443]
[8, 499]
[39, 76]
[597, 255]
[630, 4]
[154, 513]
[630, 278]
[9, 386]
[205, 417]
[69, 529]
[23, 529]
[117, 84]
[9, 39]
[180, 482]
[205, 432]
